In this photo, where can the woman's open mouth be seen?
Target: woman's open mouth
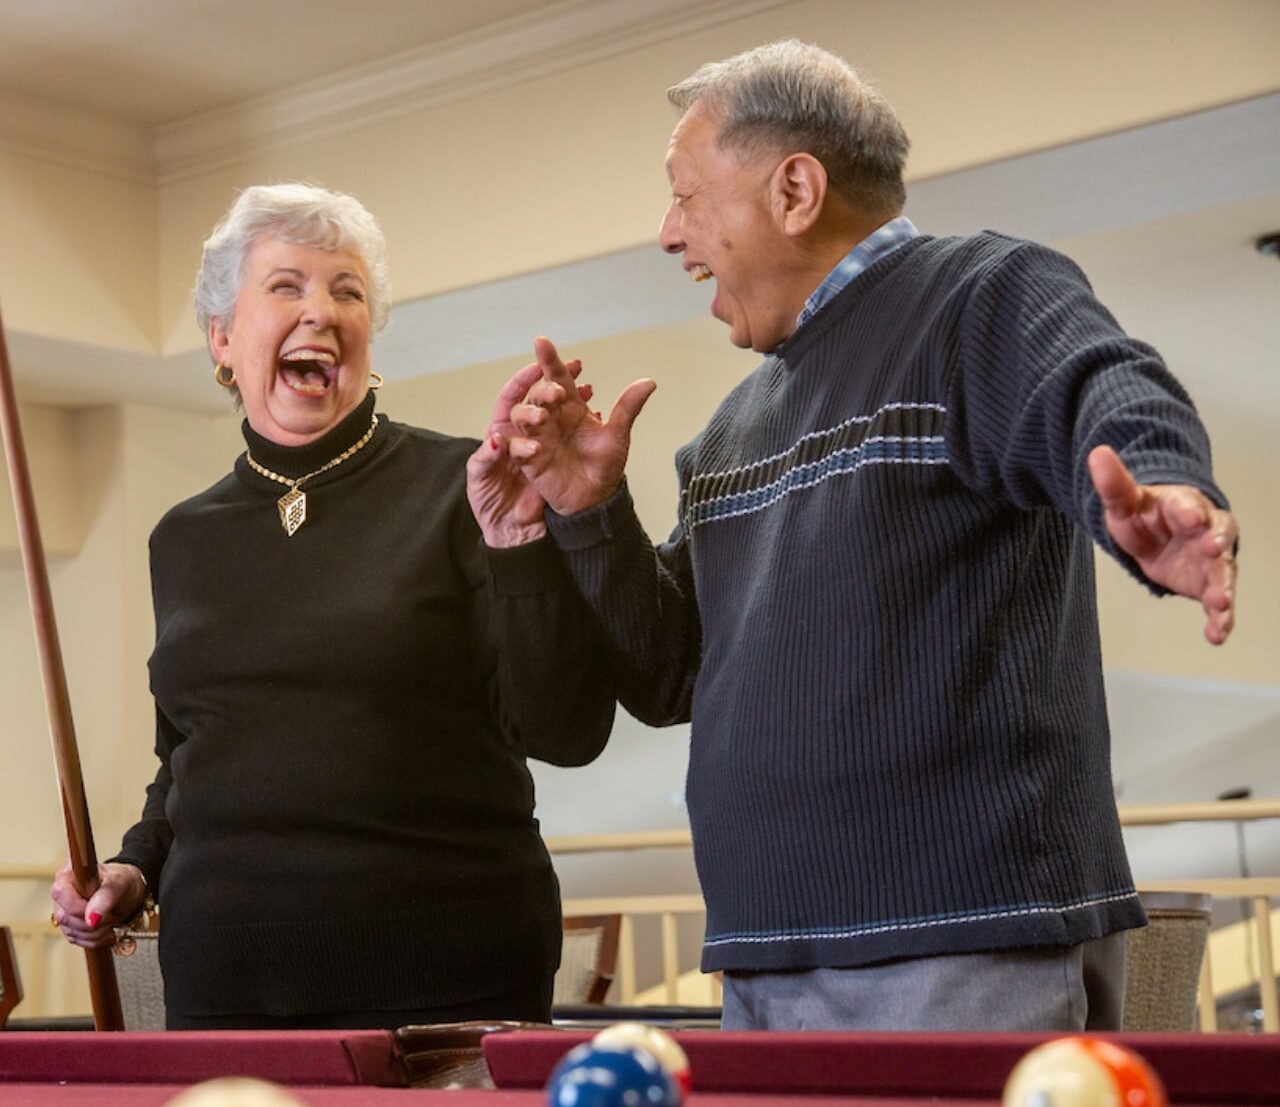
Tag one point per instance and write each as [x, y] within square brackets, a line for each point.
[308, 371]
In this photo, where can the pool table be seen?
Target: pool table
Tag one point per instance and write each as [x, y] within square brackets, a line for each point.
[368, 1068]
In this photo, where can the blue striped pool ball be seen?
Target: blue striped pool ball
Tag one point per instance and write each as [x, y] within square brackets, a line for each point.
[610, 1076]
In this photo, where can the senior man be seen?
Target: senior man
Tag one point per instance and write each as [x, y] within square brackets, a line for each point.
[878, 604]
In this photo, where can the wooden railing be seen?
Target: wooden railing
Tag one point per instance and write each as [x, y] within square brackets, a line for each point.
[52, 970]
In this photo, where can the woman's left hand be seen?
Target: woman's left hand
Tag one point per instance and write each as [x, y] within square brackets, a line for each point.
[507, 507]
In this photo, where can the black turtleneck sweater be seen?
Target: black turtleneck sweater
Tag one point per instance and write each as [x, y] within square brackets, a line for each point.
[343, 817]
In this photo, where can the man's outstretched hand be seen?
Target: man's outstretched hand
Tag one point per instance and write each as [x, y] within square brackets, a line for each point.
[1179, 538]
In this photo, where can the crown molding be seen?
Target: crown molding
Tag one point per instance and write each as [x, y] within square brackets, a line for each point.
[570, 34]
[76, 139]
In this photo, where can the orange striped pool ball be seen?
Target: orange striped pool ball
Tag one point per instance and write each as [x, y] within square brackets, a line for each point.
[1083, 1072]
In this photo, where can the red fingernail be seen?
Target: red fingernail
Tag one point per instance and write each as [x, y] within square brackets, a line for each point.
[94, 918]
[494, 441]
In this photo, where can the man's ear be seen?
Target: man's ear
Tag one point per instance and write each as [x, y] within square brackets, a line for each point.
[799, 191]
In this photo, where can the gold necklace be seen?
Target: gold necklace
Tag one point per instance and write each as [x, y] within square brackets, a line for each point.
[293, 504]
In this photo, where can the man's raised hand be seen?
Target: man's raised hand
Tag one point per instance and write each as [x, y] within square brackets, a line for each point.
[572, 457]
[1179, 538]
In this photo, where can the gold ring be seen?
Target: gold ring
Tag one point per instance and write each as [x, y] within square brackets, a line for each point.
[53, 920]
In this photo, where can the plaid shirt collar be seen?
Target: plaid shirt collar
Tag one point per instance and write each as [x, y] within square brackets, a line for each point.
[878, 244]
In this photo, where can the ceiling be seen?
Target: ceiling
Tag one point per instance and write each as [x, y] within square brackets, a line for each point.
[151, 64]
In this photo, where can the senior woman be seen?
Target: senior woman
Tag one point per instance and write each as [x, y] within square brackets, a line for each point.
[348, 679]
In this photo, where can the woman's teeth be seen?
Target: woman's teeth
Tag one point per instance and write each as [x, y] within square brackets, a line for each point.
[700, 273]
[322, 358]
[313, 383]
[307, 371]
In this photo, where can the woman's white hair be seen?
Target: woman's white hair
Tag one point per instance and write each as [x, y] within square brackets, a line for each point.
[304, 214]
[789, 97]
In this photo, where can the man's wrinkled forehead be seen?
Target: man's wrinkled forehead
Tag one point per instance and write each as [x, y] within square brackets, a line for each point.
[699, 125]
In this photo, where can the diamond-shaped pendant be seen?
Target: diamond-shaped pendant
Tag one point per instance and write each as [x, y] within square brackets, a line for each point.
[293, 510]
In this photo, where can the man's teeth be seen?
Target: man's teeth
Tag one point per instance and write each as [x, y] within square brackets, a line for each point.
[700, 273]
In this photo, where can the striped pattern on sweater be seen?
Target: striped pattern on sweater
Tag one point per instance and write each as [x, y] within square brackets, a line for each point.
[897, 434]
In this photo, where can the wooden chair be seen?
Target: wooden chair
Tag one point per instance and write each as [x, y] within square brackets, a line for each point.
[1163, 959]
[588, 959]
[10, 981]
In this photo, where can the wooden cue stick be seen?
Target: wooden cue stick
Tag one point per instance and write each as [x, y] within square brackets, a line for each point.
[103, 991]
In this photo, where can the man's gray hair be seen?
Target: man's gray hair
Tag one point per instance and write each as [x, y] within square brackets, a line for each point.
[790, 97]
[304, 214]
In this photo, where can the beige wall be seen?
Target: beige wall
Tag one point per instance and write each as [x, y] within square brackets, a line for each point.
[1141, 633]
[693, 363]
[79, 255]
[567, 166]
[522, 178]
[50, 447]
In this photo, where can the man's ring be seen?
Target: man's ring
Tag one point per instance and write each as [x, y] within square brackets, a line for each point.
[53, 920]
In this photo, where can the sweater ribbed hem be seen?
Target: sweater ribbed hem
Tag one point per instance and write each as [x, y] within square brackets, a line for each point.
[1013, 927]
[430, 955]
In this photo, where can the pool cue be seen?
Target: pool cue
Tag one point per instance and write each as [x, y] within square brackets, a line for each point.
[103, 992]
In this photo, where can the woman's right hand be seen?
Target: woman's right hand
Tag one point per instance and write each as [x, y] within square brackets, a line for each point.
[120, 894]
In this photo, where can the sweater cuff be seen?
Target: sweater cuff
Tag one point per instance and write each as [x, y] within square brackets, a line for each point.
[524, 570]
[1160, 475]
[595, 526]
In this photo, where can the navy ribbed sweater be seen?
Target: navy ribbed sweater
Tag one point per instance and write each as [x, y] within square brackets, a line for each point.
[342, 819]
[878, 608]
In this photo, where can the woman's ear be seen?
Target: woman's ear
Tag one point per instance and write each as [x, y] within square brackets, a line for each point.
[219, 339]
[799, 187]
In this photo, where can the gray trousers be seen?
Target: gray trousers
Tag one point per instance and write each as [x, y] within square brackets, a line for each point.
[1077, 988]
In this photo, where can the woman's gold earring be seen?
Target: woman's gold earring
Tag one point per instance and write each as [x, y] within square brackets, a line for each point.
[227, 381]
[375, 380]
